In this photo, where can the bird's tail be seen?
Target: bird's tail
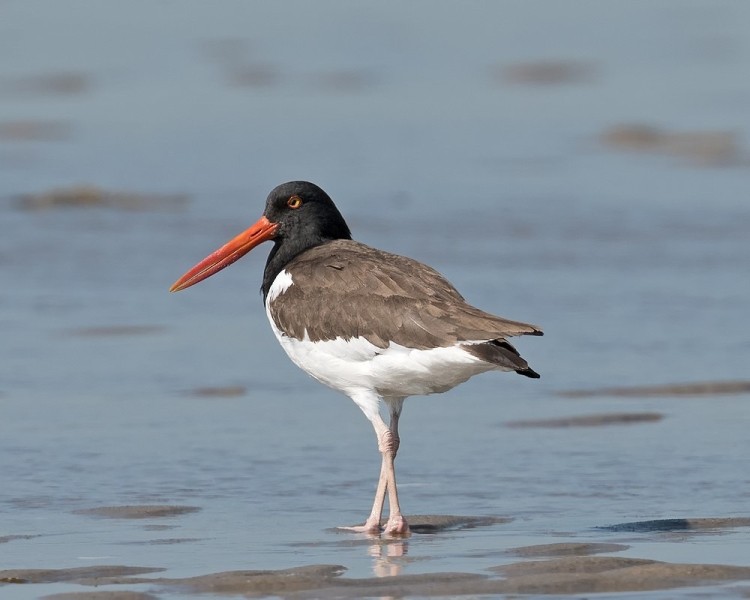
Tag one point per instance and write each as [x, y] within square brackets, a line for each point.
[499, 352]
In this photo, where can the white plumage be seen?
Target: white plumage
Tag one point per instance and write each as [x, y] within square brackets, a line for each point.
[362, 370]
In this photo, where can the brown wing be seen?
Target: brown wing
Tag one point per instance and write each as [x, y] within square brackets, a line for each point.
[357, 291]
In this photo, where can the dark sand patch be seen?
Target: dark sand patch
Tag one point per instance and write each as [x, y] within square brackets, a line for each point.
[572, 564]
[158, 527]
[62, 83]
[34, 131]
[567, 549]
[596, 420]
[116, 330]
[704, 388]
[439, 523]
[545, 72]
[143, 511]
[226, 391]
[4, 539]
[103, 595]
[592, 574]
[162, 542]
[705, 148]
[264, 582]
[669, 525]
[31, 502]
[89, 196]
[98, 575]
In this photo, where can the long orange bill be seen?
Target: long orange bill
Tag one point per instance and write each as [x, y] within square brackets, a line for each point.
[230, 252]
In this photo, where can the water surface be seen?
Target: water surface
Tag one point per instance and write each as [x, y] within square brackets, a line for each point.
[635, 262]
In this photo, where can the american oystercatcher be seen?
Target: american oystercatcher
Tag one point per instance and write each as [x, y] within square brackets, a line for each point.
[376, 326]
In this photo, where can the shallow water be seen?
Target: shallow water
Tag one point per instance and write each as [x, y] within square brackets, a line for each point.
[636, 264]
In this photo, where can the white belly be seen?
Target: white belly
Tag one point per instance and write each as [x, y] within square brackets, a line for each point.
[355, 365]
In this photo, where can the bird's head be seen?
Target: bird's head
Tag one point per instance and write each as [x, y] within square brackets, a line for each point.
[304, 213]
[298, 216]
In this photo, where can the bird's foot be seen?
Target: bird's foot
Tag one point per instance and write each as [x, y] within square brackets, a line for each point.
[396, 525]
[370, 526]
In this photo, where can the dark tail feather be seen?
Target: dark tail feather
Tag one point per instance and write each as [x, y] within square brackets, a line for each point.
[528, 372]
[503, 354]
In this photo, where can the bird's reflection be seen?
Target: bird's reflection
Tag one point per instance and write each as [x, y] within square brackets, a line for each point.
[389, 555]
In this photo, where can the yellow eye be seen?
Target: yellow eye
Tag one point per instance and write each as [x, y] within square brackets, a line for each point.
[294, 202]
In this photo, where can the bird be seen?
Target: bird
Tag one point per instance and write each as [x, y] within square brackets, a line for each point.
[377, 326]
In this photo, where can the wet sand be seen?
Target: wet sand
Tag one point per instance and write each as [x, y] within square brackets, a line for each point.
[91, 196]
[137, 512]
[596, 420]
[703, 388]
[570, 567]
[701, 148]
[567, 575]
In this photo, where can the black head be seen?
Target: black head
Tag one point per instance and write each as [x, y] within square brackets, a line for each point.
[306, 215]
[298, 216]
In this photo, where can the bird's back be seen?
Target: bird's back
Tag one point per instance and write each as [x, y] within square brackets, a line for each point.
[348, 289]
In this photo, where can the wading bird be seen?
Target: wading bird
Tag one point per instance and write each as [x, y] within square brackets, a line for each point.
[376, 326]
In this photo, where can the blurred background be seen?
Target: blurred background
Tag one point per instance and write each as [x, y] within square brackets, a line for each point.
[579, 165]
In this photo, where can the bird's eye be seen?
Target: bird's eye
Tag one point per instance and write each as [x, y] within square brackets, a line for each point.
[294, 202]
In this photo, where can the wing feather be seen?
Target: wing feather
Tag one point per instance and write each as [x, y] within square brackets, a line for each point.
[357, 291]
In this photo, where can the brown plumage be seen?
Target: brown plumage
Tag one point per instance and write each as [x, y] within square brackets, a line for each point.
[358, 291]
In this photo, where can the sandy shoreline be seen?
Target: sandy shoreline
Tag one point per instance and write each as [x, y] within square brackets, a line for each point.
[570, 567]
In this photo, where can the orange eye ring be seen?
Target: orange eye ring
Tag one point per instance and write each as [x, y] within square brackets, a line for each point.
[294, 202]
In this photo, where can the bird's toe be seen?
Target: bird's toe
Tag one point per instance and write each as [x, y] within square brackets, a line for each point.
[370, 526]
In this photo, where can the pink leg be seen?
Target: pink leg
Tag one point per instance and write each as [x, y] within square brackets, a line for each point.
[388, 443]
[372, 525]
